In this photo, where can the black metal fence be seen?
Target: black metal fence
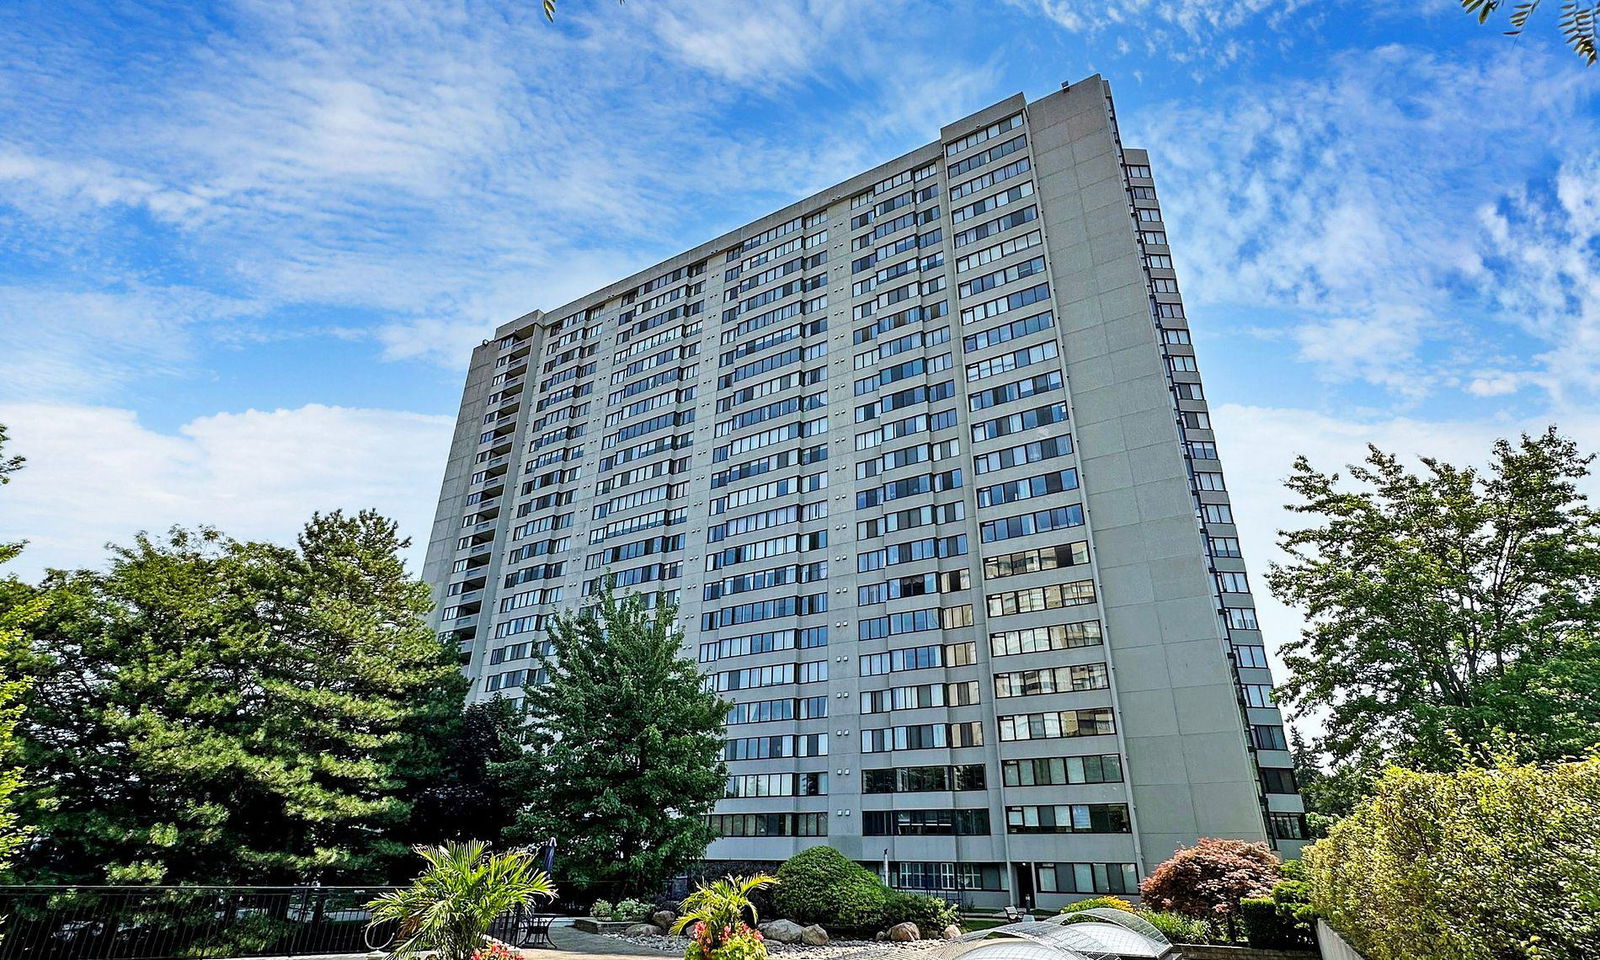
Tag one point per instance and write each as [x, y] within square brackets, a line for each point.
[168, 923]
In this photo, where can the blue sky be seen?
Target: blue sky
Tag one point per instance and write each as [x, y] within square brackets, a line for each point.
[246, 246]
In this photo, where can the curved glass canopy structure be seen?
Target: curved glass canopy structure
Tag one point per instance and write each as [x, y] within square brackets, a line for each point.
[1097, 934]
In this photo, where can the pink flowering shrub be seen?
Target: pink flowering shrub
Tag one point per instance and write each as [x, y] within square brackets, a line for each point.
[738, 941]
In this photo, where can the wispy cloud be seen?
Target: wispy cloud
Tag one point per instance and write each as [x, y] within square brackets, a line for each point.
[1541, 267]
[1349, 203]
[448, 167]
[1198, 32]
[75, 344]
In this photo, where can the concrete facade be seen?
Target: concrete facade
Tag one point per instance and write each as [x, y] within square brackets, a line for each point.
[925, 462]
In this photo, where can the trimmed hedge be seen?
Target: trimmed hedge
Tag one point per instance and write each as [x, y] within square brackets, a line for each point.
[1479, 864]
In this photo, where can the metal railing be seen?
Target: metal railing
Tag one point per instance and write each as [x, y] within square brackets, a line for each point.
[165, 923]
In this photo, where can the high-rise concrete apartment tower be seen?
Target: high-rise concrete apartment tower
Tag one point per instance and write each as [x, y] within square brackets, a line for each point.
[925, 461]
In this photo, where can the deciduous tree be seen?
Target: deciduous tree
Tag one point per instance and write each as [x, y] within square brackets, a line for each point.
[1478, 864]
[13, 687]
[1448, 606]
[1207, 881]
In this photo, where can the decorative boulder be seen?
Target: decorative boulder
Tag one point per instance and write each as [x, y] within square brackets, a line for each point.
[782, 931]
[642, 930]
[882, 935]
[905, 931]
[664, 919]
[952, 932]
[814, 936]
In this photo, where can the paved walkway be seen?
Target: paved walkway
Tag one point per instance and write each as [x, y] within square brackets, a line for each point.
[570, 943]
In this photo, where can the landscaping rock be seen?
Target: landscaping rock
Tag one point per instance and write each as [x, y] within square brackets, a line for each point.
[952, 932]
[814, 936]
[664, 919]
[643, 930]
[905, 931]
[783, 931]
[882, 935]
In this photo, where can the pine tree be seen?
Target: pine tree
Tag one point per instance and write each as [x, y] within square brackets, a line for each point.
[212, 711]
[624, 761]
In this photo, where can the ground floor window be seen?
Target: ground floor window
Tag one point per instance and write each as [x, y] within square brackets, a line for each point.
[1088, 878]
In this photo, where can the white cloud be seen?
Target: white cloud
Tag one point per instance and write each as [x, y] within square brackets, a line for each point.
[1347, 203]
[1541, 266]
[1182, 31]
[443, 172]
[95, 475]
[63, 343]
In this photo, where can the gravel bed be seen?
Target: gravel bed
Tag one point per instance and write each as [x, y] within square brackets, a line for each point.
[834, 948]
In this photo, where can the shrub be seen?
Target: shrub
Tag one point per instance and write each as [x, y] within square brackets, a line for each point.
[1207, 881]
[930, 914]
[1476, 864]
[1285, 919]
[1112, 903]
[1177, 927]
[632, 911]
[1264, 926]
[723, 904]
[821, 885]
[740, 943]
[715, 915]
[450, 906]
[601, 910]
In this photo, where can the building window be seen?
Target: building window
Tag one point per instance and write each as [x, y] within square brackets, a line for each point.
[1249, 655]
[1232, 582]
[941, 877]
[1051, 771]
[1268, 737]
[1027, 683]
[1068, 818]
[1288, 826]
[769, 824]
[967, 776]
[921, 823]
[1258, 694]
[1087, 878]
[1242, 618]
[1278, 780]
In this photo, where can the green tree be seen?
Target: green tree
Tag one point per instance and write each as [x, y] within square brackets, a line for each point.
[1578, 21]
[1479, 864]
[1328, 794]
[209, 710]
[13, 687]
[624, 760]
[460, 797]
[1446, 607]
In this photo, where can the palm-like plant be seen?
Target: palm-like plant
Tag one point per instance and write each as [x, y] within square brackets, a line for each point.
[451, 904]
[722, 904]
